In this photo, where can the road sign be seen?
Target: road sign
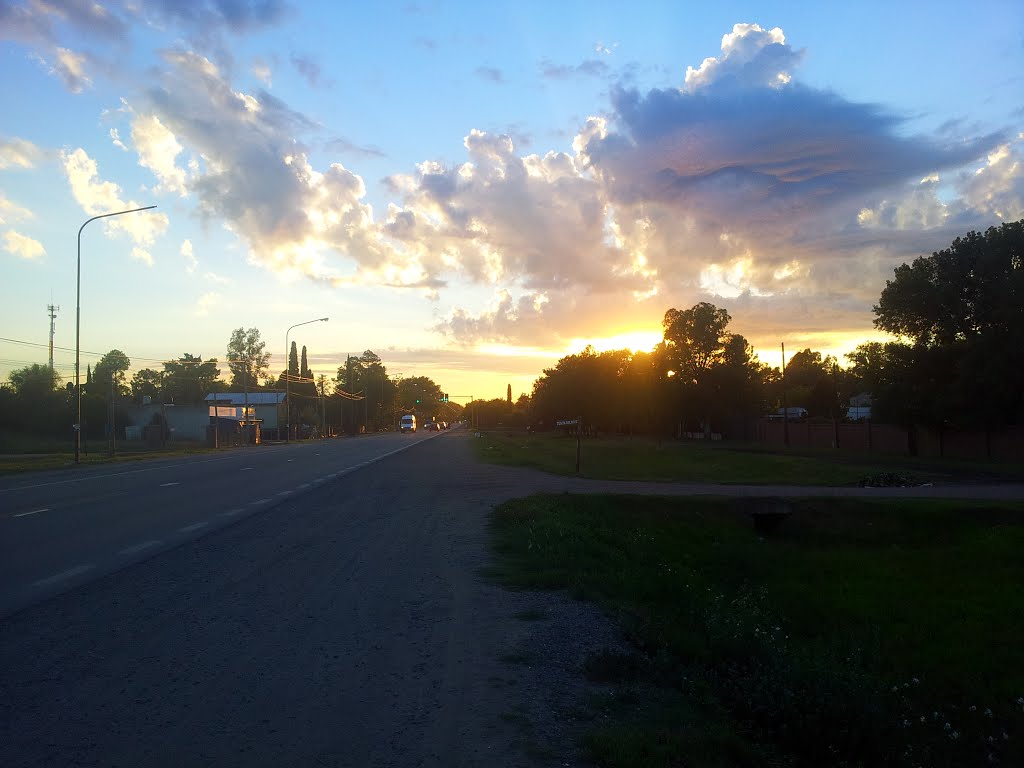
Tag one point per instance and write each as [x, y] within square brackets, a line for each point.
[567, 422]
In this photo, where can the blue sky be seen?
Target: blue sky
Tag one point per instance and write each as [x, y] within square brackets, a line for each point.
[472, 190]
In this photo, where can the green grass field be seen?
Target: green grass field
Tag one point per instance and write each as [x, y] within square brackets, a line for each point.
[861, 634]
[27, 453]
[716, 462]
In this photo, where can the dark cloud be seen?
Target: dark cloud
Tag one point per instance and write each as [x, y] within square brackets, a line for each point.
[757, 154]
[308, 67]
[35, 22]
[588, 68]
[238, 16]
[345, 146]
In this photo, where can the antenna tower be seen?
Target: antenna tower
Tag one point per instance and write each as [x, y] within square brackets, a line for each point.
[53, 315]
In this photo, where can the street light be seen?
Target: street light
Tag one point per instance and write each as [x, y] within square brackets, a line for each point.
[288, 376]
[78, 317]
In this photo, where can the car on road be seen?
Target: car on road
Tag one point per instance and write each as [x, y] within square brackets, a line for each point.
[407, 424]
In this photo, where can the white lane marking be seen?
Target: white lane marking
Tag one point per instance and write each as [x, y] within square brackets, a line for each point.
[245, 469]
[290, 460]
[32, 512]
[230, 512]
[69, 573]
[303, 487]
[193, 527]
[284, 493]
[259, 501]
[139, 547]
[168, 485]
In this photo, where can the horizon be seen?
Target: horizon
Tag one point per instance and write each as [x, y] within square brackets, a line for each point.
[473, 196]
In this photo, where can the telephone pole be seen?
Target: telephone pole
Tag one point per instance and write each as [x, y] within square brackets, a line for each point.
[53, 315]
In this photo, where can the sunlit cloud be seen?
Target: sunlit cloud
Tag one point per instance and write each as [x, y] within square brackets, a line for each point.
[21, 246]
[18, 153]
[191, 262]
[99, 197]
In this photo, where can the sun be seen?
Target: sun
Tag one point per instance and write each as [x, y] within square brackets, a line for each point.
[634, 341]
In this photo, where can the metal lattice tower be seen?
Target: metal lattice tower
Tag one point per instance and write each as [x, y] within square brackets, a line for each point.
[53, 315]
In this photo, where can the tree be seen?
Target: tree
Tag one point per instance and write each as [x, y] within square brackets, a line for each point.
[247, 357]
[188, 380]
[34, 380]
[111, 369]
[293, 361]
[508, 394]
[35, 402]
[695, 342]
[960, 312]
[147, 383]
[304, 370]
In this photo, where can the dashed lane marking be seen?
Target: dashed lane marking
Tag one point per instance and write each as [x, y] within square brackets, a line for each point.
[303, 487]
[136, 548]
[193, 527]
[68, 574]
[245, 469]
[168, 485]
[258, 502]
[284, 493]
[230, 512]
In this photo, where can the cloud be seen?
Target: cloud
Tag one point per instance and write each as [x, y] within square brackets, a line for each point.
[115, 138]
[261, 71]
[21, 246]
[158, 150]
[140, 254]
[238, 16]
[343, 145]
[207, 301]
[34, 22]
[588, 68]
[12, 211]
[98, 197]
[70, 68]
[191, 262]
[308, 67]
[997, 188]
[751, 57]
[493, 74]
[606, 50]
[18, 153]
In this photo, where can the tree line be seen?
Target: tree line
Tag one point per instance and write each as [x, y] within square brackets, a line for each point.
[361, 397]
[957, 360]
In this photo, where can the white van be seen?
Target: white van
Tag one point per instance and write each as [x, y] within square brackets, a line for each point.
[407, 424]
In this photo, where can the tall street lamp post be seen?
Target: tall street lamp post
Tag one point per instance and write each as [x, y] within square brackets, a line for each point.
[78, 324]
[288, 376]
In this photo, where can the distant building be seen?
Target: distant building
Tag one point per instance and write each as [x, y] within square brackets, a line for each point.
[792, 413]
[860, 407]
[265, 406]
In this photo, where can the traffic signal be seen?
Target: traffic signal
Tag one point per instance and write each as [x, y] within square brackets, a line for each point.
[417, 401]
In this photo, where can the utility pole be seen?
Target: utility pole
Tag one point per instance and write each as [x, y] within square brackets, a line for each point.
[53, 315]
[785, 408]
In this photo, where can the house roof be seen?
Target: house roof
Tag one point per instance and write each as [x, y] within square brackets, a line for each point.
[239, 398]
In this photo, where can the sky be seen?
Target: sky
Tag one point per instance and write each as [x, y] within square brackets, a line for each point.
[474, 190]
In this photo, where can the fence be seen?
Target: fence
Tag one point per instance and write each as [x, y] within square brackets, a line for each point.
[866, 436]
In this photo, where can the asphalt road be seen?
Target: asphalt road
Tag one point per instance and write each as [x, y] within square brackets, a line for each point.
[61, 529]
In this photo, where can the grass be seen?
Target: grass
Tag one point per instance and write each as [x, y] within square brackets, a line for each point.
[29, 454]
[850, 637]
[715, 462]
